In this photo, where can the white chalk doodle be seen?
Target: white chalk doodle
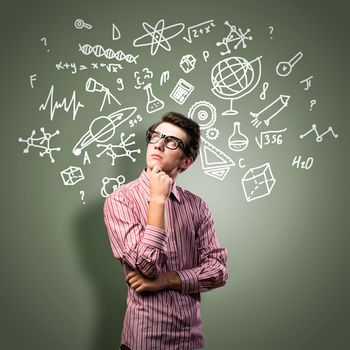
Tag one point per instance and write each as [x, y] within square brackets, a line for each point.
[258, 182]
[43, 143]
[116, 183]
[115, 32]
[75, 68]
[32, 78]
[237, 142]
[86, 158]
[94, 86]
[302, 164]
[319, 137]
[271, 137]
[164, 77]
[312, 103]
[72, 175]
[99, 51]
[122, 147]
[234, 77]
[54, 105]
[120, 84]
[235, 35]
[270, 111]
[103, 128]
[158, 36]
[307, 82]
[263, 94]
[141, 78]
[153, 103]
[188, 63]
[271, 30]
[82, 195]
[80, 24]
[212, 134]
[214, 162]
[44, 40]
[134, 121]
[205, 55]
[284, 68]
[181, 91]
[198, 29]
[204, 113]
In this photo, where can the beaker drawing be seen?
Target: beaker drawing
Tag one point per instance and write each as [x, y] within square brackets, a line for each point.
[237, 142]
[153, 103]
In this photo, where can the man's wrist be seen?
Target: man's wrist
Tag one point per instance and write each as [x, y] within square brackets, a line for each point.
[172, 281]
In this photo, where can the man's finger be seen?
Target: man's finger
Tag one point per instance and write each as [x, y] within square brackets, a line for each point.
[130, 275]
[156, 169]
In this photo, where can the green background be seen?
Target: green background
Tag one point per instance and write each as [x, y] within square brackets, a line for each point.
[288, 252]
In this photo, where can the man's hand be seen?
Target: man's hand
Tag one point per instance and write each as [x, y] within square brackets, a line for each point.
[140, 283]
[167, 280]
[160, 184]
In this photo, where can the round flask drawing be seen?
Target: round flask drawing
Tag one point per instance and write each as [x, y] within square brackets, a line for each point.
[237, 142]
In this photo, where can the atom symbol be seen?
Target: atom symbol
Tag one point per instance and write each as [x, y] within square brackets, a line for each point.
[156, 33]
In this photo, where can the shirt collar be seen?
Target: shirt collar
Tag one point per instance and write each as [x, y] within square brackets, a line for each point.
[144, 187]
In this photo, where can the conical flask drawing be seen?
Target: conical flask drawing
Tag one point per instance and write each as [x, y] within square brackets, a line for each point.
[153, 103]
[237, 142]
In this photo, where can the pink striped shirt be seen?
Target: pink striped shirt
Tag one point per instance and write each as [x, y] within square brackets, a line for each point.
[167, 319]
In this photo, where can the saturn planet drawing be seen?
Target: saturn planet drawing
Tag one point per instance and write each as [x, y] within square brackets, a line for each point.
[103, 128]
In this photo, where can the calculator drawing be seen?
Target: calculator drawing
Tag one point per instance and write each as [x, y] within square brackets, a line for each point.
[181, 91]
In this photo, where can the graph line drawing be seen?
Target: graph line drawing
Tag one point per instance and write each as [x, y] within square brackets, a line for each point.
[319, 137]
[54, 105]
[158, 36]
[111, 150]
[43, 143]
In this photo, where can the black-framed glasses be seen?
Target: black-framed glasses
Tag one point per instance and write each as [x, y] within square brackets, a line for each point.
[170, 142]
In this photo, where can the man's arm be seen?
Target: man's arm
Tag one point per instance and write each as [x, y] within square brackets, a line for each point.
[210, 273]
[141, 248]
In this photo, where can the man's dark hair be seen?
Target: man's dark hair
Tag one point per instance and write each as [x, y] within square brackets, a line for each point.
[188, 125]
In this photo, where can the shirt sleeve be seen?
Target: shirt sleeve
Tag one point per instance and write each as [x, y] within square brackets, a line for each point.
[142, 248]
[211, 271]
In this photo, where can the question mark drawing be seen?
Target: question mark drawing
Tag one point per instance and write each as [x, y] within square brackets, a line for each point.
[82, 194]
[312, 103]
[45, 42]
[271, 30]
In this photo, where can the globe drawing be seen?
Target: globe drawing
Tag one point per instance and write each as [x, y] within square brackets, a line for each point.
[235, 77]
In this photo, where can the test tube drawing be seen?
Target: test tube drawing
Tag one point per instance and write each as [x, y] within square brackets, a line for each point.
[284, 68]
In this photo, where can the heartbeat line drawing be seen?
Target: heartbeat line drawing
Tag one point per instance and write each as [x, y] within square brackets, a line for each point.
[319, 137]
[55, 104]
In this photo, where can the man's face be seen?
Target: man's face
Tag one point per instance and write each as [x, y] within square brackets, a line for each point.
[170, 161]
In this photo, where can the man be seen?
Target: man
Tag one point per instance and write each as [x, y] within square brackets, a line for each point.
[164, 237]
